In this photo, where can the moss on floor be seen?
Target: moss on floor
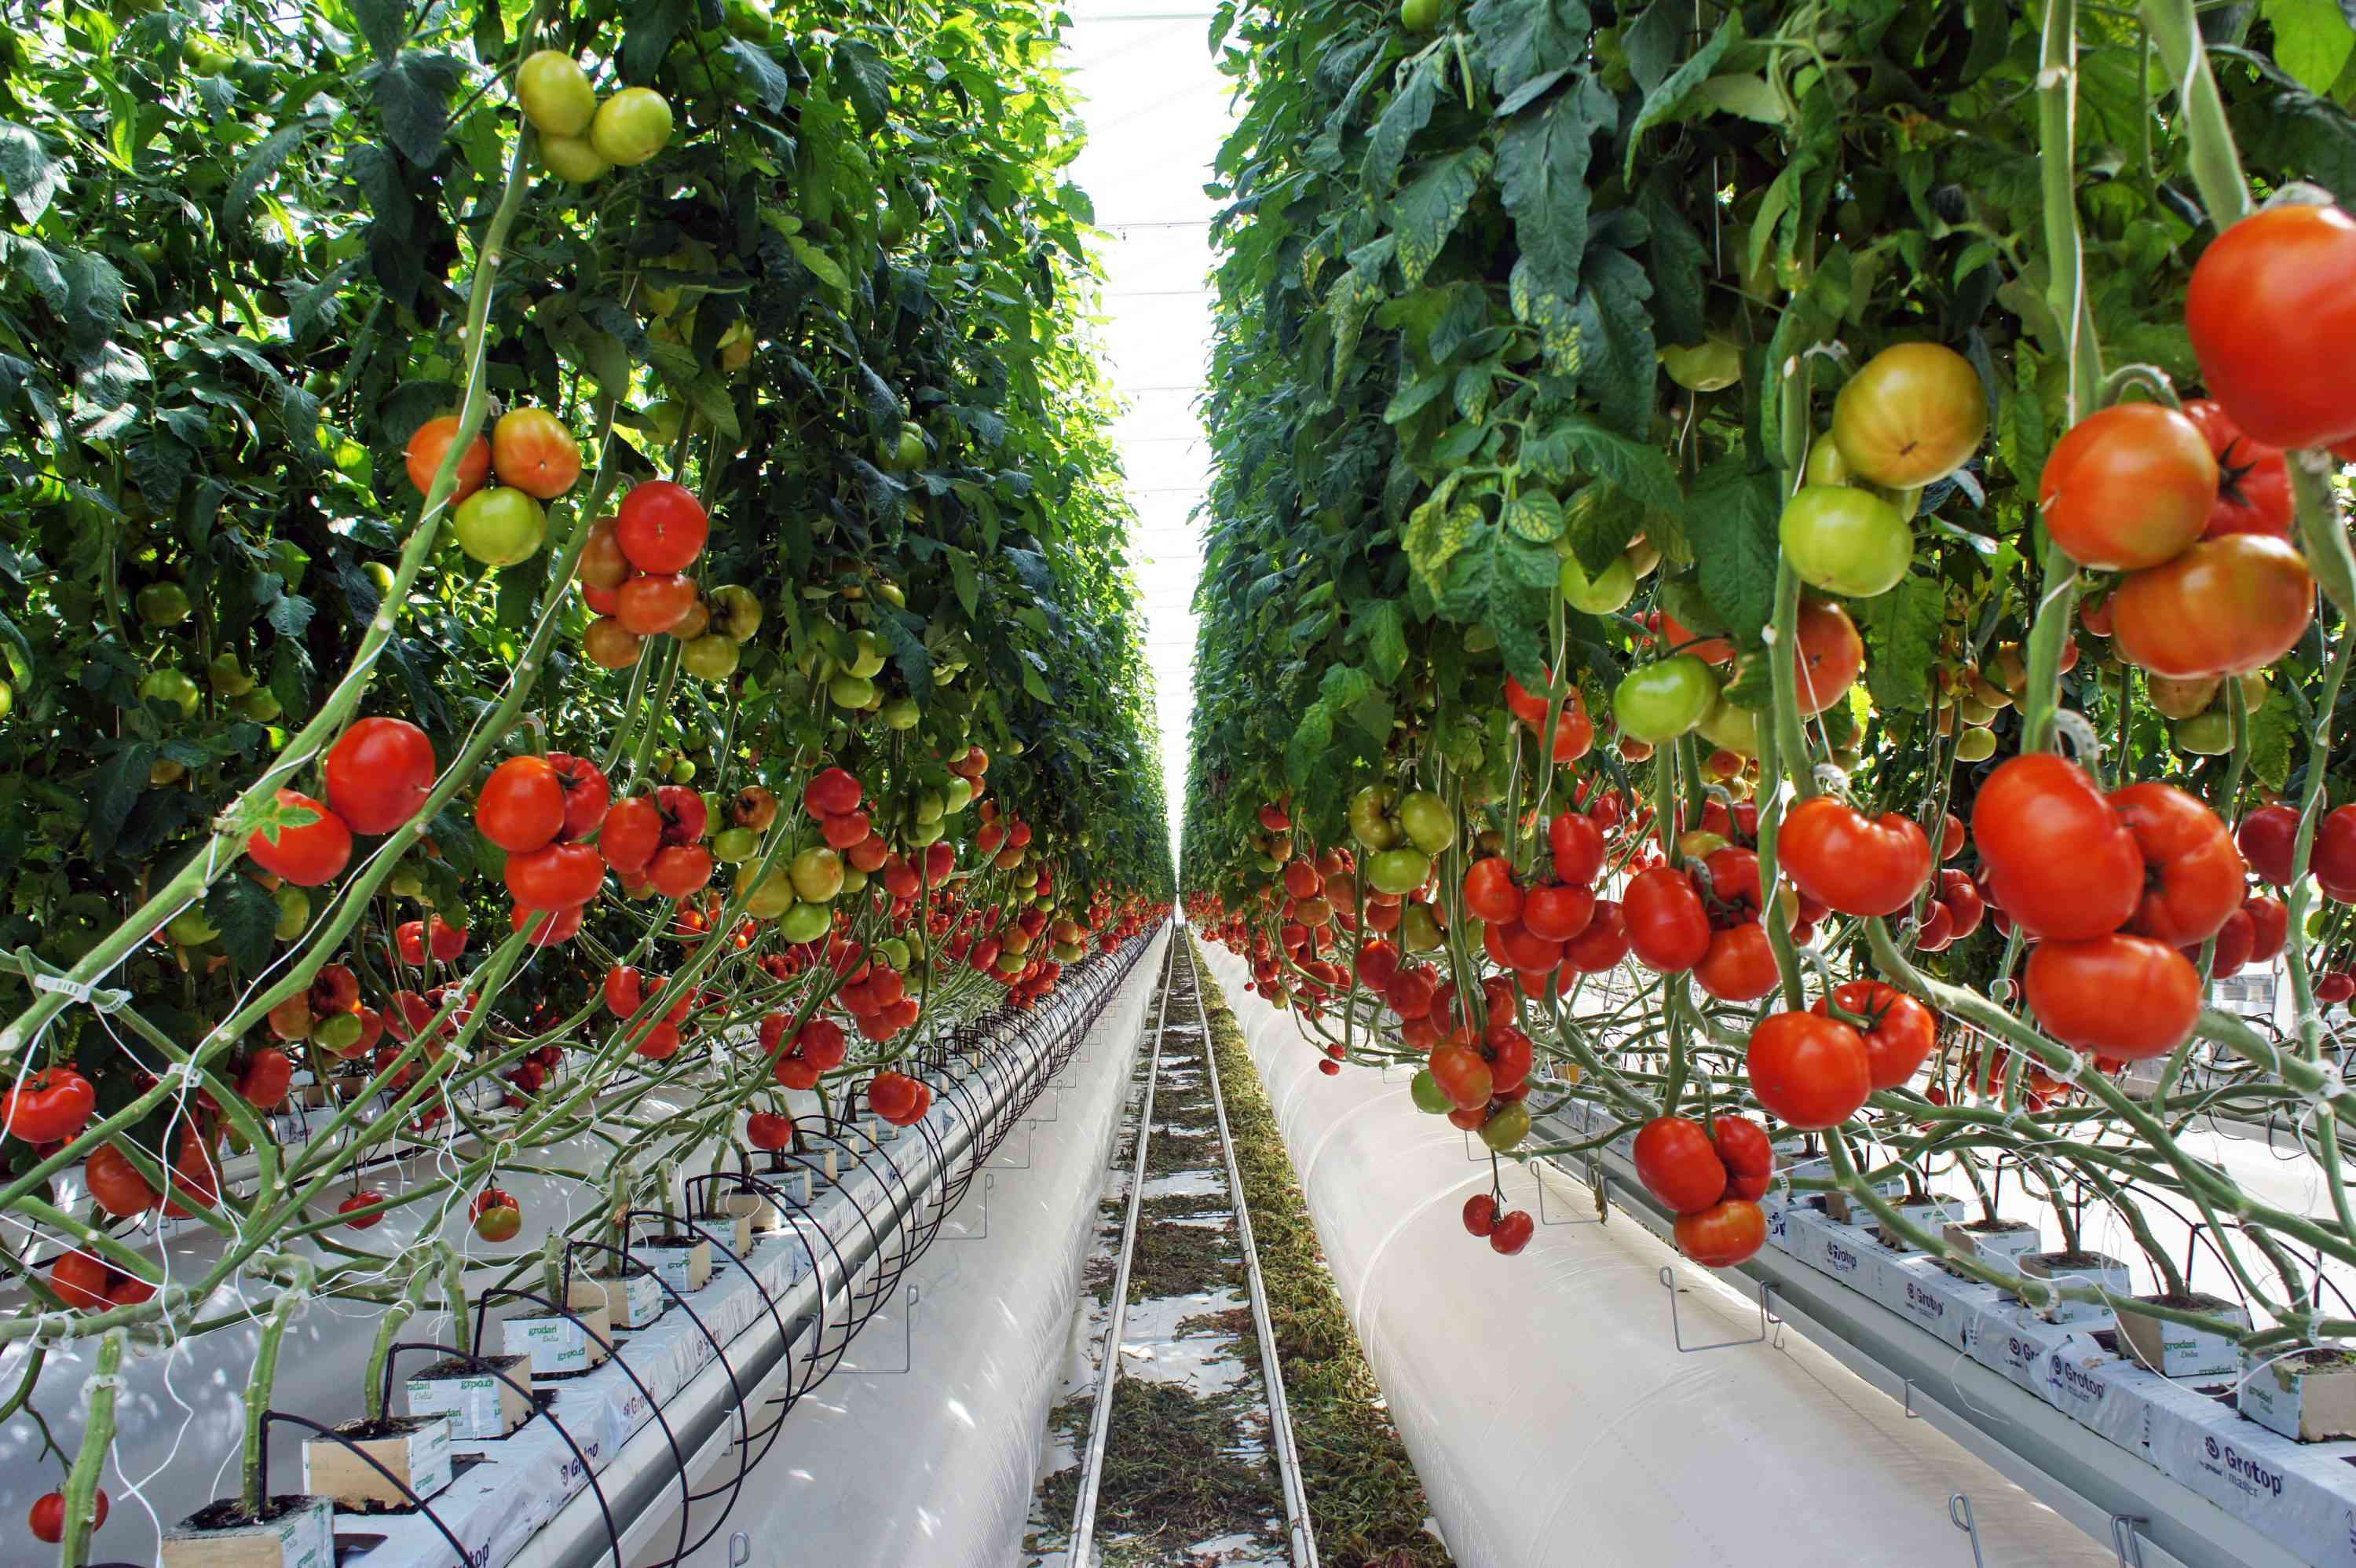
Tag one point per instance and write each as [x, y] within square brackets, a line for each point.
[1365, 1502]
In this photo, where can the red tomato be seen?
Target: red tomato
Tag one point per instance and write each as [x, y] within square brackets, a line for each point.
[81, 1280]
[430, 442]
[1749, 1157]
[1480, 1214]
[654, 603]
[588, 795]
[550, 927]
[2254, 495]
[1900, 1035]
[495, 1214]
[1709, 650]
[1490, 893]
[661, 526]
[1557, 913]
[1960, 897]
[263, 1083]
[1678, 1165]
[2236, 939]
[686, 817]
[531, 450]
[1830, 655]
[378, 773]
[831, 793]
[2272, 321]
[1808, 1070]
[2120, 996]
[1603, 945]
[1668, 929]
[2226, 606]
[307, 852]
[2335, 988]
[2194, 875]
[766, 1129]
[2127, 487]
[2060, 861]
[116, 1185]
[2268, 839]
[49, 1106]
[1722, 1236]
[1512, 1232]
[633, 831]
[1463, 1076]
[1740, 965]
[2332, 857]
[559, 876]
[1578, 845]
[522, 806]
[1855, 866]
[680, 869]
[363, 1198]
[1950, 837]
[2269, 927]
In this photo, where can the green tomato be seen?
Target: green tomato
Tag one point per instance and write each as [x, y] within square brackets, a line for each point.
[904, 451]
[1428, 1096]
[261, 705]
[7, 699]
[854, 881]
[1370, 821]
[573, 160]
[1825, 465]
[1979, 745]
[501, 527]
[294, 911]
[1709, 365]
[1428, 823]
[555, 93]
[817, 874]
[1509, 1127]
[1601, 594]
[735, 844]
[228, 676]
[168, 685]
[850, 692]
[1734, 728]
[923, 833]
[1662, 700]
[902, 713]
[772, 896]
[867, 656]
[930, 806]
[1419, 932]
[1421, 15]
[2203, 735]
[960, 796]
[163, 605]
[894, 951]
[711, 657]
[1846, 540]
[631, 126]
[190, 928]
[405, 883]
[751, 22]
[338, 1032]
[805, 922]
[1398, 871]
[380, 575]
[735, 612]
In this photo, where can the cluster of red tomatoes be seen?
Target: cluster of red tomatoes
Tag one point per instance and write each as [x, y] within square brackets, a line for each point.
[801, 1056]
[1712, 1178]
[1508, 1231]
[536, 460]
[899, 1099]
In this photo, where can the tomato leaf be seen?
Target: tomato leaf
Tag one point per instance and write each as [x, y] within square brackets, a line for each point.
[1523, 38]
[32, 177]
[1382, 626]
[412, 94]
[2313, 39]
[1542, 178]
[2274, 735]
[1428, 210]
[247, 919]
[1732, 525]
[1669, 102]
[1901, 629]
[868, 82]
[1409, 112]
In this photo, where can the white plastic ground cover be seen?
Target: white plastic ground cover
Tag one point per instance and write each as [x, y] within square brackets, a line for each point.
[934, 1467]
[2299, 1495]
[1549, 1414]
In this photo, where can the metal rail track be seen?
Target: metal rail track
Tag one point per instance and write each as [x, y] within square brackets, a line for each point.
[1300, 1539]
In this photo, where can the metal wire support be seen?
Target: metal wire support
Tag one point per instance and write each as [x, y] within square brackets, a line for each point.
[2124, 1541]
[1959, 1514]
[1677, 1330]
[1279, 1416]
[1083, 1504]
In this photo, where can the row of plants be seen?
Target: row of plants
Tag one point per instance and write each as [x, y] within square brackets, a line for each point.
[1784, 566]
[457, 452]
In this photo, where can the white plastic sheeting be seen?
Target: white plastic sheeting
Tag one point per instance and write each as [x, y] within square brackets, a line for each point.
[935, 1465]
[1552, 1419]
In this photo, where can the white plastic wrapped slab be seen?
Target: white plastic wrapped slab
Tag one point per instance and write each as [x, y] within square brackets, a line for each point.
[1583, 1448]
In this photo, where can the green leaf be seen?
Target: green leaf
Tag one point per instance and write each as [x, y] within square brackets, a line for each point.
[1732, 524]
[1413, 399]
[1386, 635]
[1753, 684]
[1901, 629]
[1678, 261]
[2274, 735]
[413, 96]
[1435, 532]
[1408, 112]
[822, 266]
[867, 80]
[1524, 39]
[2312, 39]
[117, 788]
[247, 919]
[1600, 519]
[1426, 212]
[961, 575]
[1641, 470]
[383, 23]
[764, 75]
[649, 27]
[1535, 515]
[1542, 176]
[1668, 101]
[33, 178]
